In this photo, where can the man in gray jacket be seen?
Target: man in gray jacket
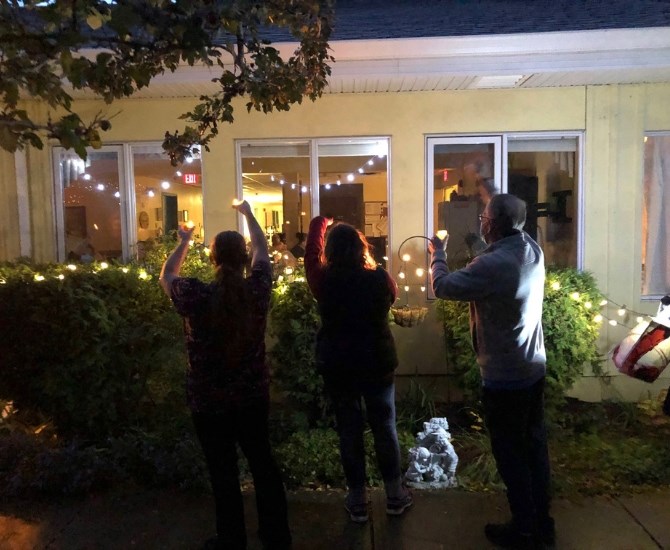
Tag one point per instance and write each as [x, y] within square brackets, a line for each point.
[505, 288]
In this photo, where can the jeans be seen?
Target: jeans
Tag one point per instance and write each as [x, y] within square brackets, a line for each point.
[515, 421]
[380, 406]
[218, 433]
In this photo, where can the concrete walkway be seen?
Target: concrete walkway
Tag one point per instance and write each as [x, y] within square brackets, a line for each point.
[450, 519]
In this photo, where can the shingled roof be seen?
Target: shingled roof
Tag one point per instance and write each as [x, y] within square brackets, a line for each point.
[377, 19]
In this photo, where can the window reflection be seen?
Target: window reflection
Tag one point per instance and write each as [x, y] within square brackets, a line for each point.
[543, 172]
[165, 196]
[353, 188]
[91, 205]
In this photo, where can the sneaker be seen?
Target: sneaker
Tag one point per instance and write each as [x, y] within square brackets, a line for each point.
[506, 535]
[358, 511]
[397, 505]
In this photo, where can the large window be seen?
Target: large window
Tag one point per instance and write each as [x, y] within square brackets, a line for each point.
[114, 205]
[542, 169]
[656, 216]
[288, 182]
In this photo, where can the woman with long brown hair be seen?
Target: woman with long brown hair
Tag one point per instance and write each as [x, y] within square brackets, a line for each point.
[227, 379]
[356, 356]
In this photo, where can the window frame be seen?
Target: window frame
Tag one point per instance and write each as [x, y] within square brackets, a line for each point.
[501, 181]
[313, 146]
[646, 134]
[128, 199]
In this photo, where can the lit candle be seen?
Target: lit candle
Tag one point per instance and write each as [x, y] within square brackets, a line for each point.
[442, 234]
[190, 224]
[237, 202]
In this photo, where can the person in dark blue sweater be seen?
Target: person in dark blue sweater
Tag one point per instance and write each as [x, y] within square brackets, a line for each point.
[505, 288]
[356, 356]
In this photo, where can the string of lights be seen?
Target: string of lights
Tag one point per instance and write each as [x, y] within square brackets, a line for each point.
[623, 313]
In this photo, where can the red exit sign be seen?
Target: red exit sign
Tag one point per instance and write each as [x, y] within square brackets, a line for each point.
[191, 179]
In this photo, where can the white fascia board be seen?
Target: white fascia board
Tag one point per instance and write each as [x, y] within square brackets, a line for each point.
[478, 55]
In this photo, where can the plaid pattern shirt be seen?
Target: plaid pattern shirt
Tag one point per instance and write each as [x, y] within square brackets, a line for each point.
[211, 384]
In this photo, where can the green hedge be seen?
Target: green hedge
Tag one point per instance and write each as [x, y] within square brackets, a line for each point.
[96, 349]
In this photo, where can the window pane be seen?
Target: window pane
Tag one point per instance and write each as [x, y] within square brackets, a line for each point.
[91, 206]
[164, 196]
[461, 174]
[276, 183]
[353, 188]
[543, 172]
[655, 216]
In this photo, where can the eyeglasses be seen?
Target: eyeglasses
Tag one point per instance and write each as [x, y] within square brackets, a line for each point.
[482, 217]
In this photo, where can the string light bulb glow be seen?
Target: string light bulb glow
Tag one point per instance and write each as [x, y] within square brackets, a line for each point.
[603, 303]
[39, 277]
[190, 224]
[71, 267]
[350, 177]
[423, 289]
[104, 265]
[613, 322]
[165, 184]
[406, 288]
[406, 257]
[588, 305]
[574, 296]
[61, 277]
[401, 275]
[598, 318]
[419, 272]
[125, 269]
[621, 311]
[555, 285]
[143, 275]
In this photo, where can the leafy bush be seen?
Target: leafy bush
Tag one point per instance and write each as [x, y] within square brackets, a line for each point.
[313, 458]
[96, 349]
[294, 321]
[570, 334]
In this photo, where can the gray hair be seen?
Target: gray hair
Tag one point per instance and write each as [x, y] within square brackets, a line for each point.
[509, 213]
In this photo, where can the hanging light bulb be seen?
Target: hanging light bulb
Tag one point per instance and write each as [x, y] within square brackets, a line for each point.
[371, 162]
[574, 296]
[350, 177]
[165, 184]
[104, 265]
[419, 272]
[598, 318]
[640, 319]
[360, 170]
[613, 322]
[401, 275]
[39, 277]
[423, 289]
[603, 303]
[303, 189]
[555, 285]
[621, 311]
[406, 257]
[125, 269]
[272, 178]
[327, 186]
[588, 305]
[406, 288]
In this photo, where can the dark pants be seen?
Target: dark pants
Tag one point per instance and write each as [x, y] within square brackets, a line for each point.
[515, 421]
[380, 406]
[218, 433]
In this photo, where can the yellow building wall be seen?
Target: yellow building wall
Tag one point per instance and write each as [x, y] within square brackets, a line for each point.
[614, 119]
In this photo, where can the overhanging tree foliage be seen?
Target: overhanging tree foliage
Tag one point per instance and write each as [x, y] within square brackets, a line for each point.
[49, 48]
